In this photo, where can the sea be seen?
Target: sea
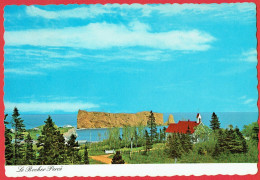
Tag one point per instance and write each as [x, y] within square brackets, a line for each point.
[238, 119]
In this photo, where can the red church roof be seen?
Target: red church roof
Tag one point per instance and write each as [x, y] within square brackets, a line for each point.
[182, 127]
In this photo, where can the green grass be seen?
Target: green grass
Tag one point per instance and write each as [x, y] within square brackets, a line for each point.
[158, 156]
[64, 130]
[35, 133]
[152, 157]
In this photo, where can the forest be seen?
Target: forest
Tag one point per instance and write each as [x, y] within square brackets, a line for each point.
[135, 145]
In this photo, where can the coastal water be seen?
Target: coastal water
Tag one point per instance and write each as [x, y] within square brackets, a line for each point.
[238, 119]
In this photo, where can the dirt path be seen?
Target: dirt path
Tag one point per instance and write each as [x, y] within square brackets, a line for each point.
[102, 158]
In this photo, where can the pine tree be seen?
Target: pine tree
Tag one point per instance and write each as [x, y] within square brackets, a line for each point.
[173, 146]
[8, 143]
[233, 144]
[242, 140]
[148, 144]
[230, 141]
[220, 146]
[30, 154]
[214, 123]
[72, 149]
[19, 130]
[51, 144]
[117, 158]
[86, 160]
[152, 125]
[60, 148]
[186, 142]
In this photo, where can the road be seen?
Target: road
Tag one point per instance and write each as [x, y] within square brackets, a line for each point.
[102, 158]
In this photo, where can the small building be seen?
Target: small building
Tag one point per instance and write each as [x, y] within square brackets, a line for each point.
[67, 126]
[182, 127]
[110, 151]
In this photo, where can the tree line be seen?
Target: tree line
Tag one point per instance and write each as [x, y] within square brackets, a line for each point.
[140, 136]
[50, 147]
[214, 141]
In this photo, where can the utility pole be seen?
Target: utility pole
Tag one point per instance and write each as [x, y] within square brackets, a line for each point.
[131, 147]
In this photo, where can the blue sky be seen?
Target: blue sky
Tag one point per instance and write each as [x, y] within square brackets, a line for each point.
[131, 58]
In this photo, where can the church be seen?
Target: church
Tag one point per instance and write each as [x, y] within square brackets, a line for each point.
[184, 127]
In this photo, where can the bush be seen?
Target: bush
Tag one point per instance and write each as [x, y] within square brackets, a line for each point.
[117, 159]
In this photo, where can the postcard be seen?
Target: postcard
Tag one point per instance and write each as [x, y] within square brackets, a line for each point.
[130, 90]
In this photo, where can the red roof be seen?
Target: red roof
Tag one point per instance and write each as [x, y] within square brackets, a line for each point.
[182, 127]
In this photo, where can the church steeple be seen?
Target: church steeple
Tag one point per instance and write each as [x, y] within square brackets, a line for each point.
[198, 118]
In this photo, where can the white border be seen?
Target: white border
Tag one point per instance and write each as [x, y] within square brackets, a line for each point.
[137, 170]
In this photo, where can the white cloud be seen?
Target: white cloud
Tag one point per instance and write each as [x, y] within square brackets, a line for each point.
[49, 107]
[170, 9]
[242, 97]
[55, 65]
[249, 56]
[248, 101]
[245, 7]
[131, 55]
[104, 35]
[81, 12]
[94, 10]
[22, 71]
[50, 53]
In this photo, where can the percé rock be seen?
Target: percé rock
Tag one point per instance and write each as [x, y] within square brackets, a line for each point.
[104, 120]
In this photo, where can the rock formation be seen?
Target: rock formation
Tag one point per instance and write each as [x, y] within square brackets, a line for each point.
[170, 120]
[104, 120]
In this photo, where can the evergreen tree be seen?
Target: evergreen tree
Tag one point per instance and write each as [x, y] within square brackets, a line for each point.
[164, 134]
[152, 125]
[230, 141]
[233, 144]
[214, 123]
[86, 161]
[220, 146]
[61, 155]
[117, 158]
[255, 134]
[186, 142]
[30, 154]
[148, 144]
[8, 143]
[51, 144]
[242, 141]
[19, 130]
[173, 146]
[72, 149]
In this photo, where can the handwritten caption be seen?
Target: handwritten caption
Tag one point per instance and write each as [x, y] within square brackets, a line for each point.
[38, 168]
